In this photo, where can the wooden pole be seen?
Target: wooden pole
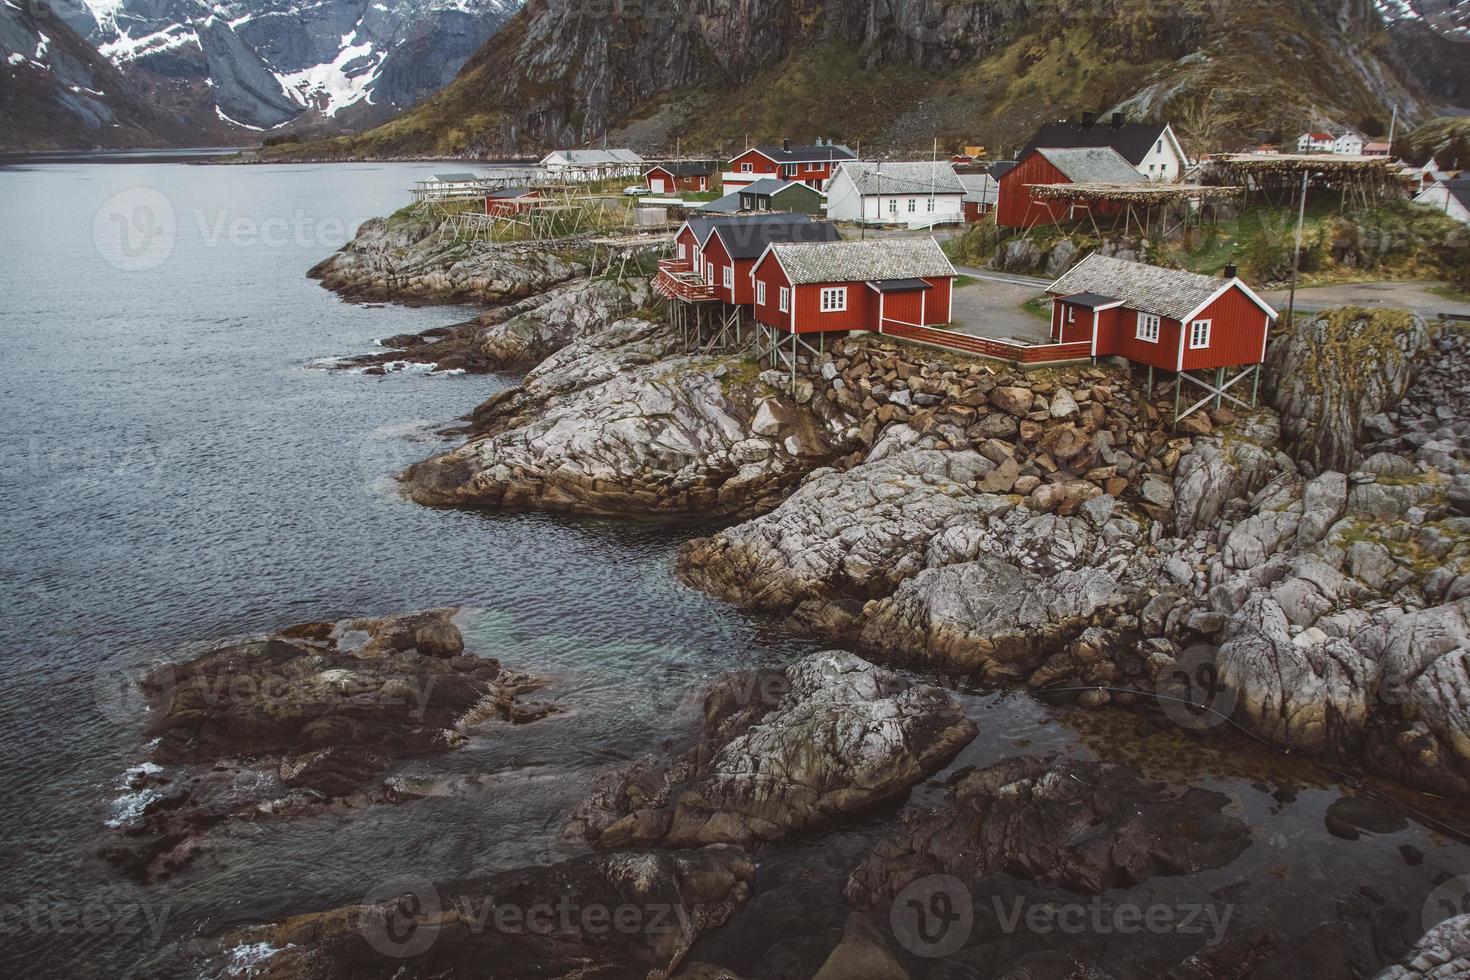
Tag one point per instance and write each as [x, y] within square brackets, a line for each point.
[1296, 257]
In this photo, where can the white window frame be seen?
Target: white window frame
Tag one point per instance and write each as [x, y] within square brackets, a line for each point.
[1196, 342]
[709, 274]
[683, 251]
[913, 206]
[760, 293]
[834, 299]
[931, 204]
[729, 277]
[1071, 314]
[747, 168]
[785, 299]
[893, 205]
[1148, 328]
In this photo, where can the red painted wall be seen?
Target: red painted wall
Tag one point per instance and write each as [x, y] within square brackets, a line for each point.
[1014, 206]
[769, 271]
[690, 243]
[815, 173]
[1237, 333]
[687, 182]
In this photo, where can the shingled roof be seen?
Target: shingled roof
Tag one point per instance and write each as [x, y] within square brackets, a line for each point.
[874, 260]
[806, 154]
[1132, 141]
[917, 177]
[1171, 293]
[689, 168]
[1088, 165]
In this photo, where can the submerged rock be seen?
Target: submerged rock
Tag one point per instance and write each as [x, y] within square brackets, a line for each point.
[614, 915]
[1087, 826]
[783, 751]
[306, 719]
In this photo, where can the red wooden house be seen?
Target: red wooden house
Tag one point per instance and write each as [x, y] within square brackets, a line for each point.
[1017, 208]
[1166, 318]
[694, 176]
[810, 165]
[713, 257]
[863, 285]
[511, 200]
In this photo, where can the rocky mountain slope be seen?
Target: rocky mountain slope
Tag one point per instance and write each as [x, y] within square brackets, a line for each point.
[226, 70]
[897, 74]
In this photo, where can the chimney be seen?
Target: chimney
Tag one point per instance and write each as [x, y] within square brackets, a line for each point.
[1117, 120]
[1231, 271]
[785, 144]
[1088, 118]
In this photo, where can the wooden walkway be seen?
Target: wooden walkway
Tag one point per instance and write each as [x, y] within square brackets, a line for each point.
[1001, 350]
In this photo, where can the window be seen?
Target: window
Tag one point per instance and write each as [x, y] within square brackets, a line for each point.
[913, 205]
[747, 168]
[834, 299]
[729, 277]
[893, 205]
[683, 251]
[1199, 334]
[785, 299]
[709, 275]
[760, 293]
[1160, 147]
[1071, 314]
[1148, 328]
[931, 204]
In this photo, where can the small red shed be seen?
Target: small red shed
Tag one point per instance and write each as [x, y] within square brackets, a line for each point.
[510, 200]
[1016, 208]
[1167, 318]
[862, 285]
[694, 176]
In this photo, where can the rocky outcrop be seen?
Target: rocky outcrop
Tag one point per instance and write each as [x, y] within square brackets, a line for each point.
[618, 424]
[615, 915]
[308, 718]
[1086, 826]
[1442, 953]
[404, 258]
[783, 751]
[1331, 371]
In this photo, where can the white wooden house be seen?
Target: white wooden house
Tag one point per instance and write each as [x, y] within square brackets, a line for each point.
[911, 193]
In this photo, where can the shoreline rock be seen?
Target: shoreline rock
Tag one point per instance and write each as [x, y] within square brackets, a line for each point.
[307, 719]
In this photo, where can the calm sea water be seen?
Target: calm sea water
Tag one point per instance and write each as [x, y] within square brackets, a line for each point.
[175, 475]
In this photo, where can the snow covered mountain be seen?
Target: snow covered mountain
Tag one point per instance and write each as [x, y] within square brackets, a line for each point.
[268, 62]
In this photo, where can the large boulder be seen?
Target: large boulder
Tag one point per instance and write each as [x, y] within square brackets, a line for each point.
[563, 316]
[607, 915]
[783, 751]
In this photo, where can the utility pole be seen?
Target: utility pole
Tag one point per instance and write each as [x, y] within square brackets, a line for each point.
[1392, 127]
[1296, 255]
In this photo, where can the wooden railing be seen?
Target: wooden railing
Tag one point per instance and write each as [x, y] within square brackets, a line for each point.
[683, 286]
[987, 347]
[675, 265]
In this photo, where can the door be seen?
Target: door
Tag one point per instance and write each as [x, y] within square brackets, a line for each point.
[658, 185]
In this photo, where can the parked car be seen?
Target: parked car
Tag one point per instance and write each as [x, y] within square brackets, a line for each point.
[637, 190]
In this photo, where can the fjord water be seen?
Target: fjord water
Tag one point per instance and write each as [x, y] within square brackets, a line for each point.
[176, 474]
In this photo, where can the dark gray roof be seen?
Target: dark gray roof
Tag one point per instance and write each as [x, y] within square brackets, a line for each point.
[688, 168]
[1459, 189]
[980, 188]
[455, 178]
[900, 285]
[1000, 168]
[807, 154]
[1171, 293]
[746, 236]
[907, 177]
[1132, 140]
[728, 204]
[510, 192]
[770, 186]
[1089, 300]
[874, 260]
[1085, 165]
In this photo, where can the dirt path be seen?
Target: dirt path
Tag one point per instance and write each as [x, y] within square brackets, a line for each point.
[1416, 296]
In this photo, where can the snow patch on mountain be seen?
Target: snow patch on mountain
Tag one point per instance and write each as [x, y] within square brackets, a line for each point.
[344, 81]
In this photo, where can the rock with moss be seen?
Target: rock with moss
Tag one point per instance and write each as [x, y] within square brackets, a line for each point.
[1329, 372]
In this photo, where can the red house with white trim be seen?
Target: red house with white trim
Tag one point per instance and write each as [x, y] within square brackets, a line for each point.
[713, 257]
[863, 285]
[694, 176]
[1017, 208]
[810, 165]
[1167, 318]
